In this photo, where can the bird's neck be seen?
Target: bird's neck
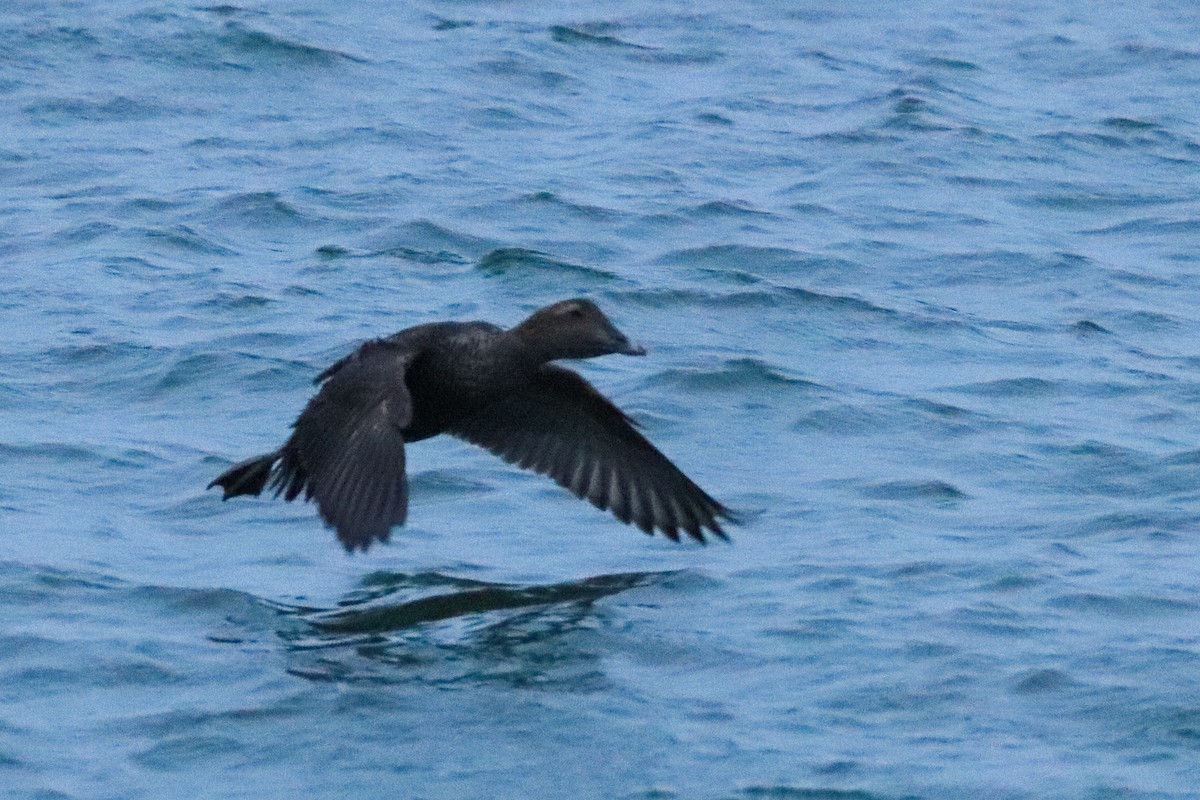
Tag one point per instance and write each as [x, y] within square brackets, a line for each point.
[527, 347]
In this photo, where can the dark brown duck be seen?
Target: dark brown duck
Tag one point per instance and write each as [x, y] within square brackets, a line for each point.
[493, 387]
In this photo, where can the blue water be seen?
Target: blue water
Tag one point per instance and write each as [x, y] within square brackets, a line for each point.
[921, 290]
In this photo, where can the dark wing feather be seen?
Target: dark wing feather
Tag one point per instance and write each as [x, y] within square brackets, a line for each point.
[562, 427]
[347, 449]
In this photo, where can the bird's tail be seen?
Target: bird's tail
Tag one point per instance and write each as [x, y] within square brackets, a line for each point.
[246, 477]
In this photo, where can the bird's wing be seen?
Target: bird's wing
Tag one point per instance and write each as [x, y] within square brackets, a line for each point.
[347, 449]
[562, 427]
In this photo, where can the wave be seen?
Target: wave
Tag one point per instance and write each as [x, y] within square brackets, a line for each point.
[742, 375]
[522, 261]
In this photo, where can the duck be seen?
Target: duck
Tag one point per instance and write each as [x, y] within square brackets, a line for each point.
[493, 387]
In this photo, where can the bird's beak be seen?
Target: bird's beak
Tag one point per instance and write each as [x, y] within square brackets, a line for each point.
[632, 349]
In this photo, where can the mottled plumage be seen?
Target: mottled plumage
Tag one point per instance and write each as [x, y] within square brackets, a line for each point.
[489, 386]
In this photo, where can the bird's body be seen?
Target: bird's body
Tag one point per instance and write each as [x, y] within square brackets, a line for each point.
[492, 387]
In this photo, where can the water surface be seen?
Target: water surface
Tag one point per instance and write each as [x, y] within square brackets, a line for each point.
[919, 283]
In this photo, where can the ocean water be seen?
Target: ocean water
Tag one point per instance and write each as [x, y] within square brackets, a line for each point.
[921, 291]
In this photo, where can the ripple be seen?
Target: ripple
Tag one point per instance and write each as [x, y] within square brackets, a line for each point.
[995, 620]
[518, 261]
[841, 419]
[107, 372]
[1160, 523]
[1160, 53]
[192, 370]
[133, 268]
[253, 377]
[941, 410]
[430, 237]
[270, 48]
[1150, 225]
[715, 209]
[741, 375]
[1043, 681]
[109, 675]
[523, 72]
[411, 254]
[855, 137]
[1083, 140]
[757, 260]
[951, 64]
[1085, 327]
[690, 298]
[579, 210]
[56, 452]
[1185, 458]
[1149, 321]
[418, 243]
[771, 297]
[59, 453]
[1000, 267]
[1085, 198]
[913, 112]
[65, 111]
[236, 302]
[87, 232]
[937, 492]
[177, 752]
[888, 218]
[1132, 606]
[261, 209]
[432, 484]
[500, 118]
[1013, 387]
[186, 240]
[789, 792]
[565, 34]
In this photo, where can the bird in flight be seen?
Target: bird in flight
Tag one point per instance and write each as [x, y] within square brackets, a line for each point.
[489, 386]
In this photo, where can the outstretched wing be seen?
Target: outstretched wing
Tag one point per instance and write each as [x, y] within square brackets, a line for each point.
[347, 449]
[562, 427]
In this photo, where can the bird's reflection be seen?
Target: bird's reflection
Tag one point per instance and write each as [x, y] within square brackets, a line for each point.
[440, 629]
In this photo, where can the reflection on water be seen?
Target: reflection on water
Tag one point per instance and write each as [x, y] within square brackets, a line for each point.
[440, 629]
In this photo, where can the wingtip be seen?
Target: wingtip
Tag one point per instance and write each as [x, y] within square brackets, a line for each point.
[353, 545]
[355, 541]
[739, 517]
[720, 534]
